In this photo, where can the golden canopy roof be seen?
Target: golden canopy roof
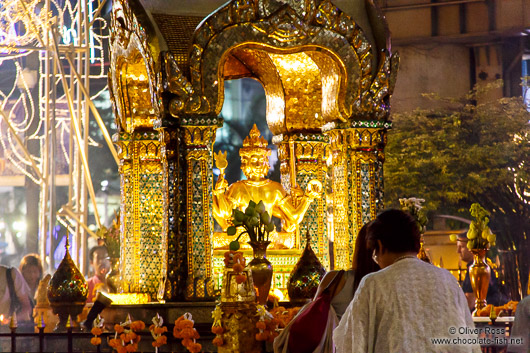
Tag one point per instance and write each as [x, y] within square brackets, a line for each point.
[318, 63]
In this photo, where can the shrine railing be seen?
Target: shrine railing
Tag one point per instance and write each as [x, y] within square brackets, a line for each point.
[25, 339]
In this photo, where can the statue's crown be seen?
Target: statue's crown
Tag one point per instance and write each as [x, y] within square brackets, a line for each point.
[255, 143]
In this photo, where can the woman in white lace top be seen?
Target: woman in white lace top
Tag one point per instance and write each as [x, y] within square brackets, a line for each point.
[409, 305]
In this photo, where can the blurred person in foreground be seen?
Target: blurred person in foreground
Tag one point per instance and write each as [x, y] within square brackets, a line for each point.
[494, 295]
[408, 304]
[100, 262]
[14, 294]
[521, 328]
[341, 297]
[32, 271]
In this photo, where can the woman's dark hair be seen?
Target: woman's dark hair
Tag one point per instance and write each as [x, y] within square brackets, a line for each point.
[31, 260]
[363, 263]
[397, 230]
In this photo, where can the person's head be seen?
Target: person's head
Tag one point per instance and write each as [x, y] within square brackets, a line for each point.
[99, 259]
[31, 269]
[363, 263]
[255, 155]
[461, 248]
[395, 232]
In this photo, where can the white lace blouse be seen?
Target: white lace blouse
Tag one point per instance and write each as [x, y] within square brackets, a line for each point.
[403, 309]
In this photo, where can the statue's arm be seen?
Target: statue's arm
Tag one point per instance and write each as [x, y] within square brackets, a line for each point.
[295, 207]
[222, 205]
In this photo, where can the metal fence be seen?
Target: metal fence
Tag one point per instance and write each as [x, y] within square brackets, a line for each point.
[26, 339]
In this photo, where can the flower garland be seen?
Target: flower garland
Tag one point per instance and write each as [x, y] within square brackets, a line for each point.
[184, 330]
[283, 315]
[217, 327]
[267, 325]
[236, 258]
[157, 331]
[128, 341]
[97, 330]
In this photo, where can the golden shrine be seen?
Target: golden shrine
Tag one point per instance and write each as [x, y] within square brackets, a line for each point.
[327, 83]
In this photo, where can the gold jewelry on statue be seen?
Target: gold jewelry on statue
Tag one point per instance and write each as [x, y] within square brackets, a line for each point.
[254, 144]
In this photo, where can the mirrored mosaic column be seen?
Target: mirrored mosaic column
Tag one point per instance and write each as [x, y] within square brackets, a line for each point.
[309, 152]
[357, 182]
[175, 225]
[143, 242]
[199, 137]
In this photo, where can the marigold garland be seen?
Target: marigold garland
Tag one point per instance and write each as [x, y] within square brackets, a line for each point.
[128, 339]
[238, 262]
[184, 330]
[267, 325]
[217, 327]
[97, 330]
[283, 315]
[157, 331]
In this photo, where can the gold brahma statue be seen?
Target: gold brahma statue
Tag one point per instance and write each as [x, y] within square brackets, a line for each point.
[289, 207]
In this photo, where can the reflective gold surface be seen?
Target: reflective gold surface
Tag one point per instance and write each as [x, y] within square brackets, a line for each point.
[357, 159]
[239, 322]
[320, 73]
[261, 270]
[128, 298]
[306, 276]
[308, 152]
[67, 292]
[67, 283]
[143, 244]
[479, 275]
[302, 87]
[290, 208]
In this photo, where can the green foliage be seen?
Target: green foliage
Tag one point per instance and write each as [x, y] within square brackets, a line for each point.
[454, 157]
[479, 234]
[474, 151]
[111, 237]
[413, 206]
[255, 221]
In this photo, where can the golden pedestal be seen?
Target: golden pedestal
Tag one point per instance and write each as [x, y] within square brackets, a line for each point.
[239, 320]
[283, 262]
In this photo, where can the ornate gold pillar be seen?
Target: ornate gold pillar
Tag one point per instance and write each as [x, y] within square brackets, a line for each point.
[174, 224]
[357, 182]
[309, 152]
[143, 243]
[199, 137]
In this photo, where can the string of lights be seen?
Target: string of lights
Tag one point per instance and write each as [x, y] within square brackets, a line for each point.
[34, 100]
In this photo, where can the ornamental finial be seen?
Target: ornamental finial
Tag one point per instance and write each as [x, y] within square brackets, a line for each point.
[255, 144]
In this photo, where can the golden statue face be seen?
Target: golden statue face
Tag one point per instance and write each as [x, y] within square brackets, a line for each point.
[255, 166]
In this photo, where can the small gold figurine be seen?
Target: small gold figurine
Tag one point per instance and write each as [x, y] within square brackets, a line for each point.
[255, 165]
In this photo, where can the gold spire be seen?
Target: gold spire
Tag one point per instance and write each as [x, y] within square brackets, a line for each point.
[254, 144]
